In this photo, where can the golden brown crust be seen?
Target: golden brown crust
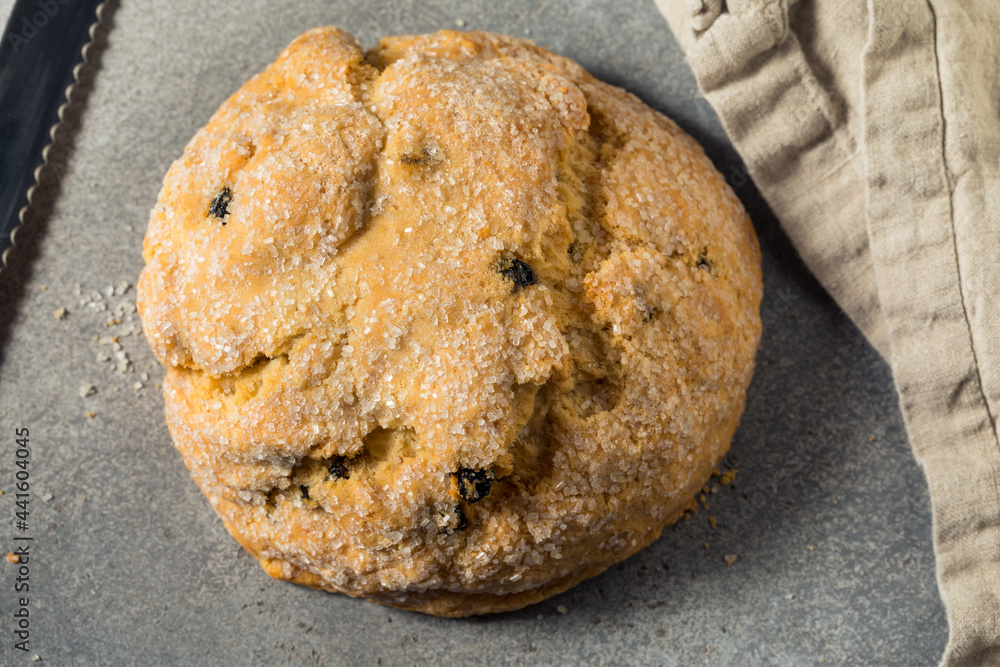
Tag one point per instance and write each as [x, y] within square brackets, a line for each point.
[450, 325]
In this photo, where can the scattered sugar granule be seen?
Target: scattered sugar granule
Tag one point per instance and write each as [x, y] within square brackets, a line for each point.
[59, 314]
[87, 390]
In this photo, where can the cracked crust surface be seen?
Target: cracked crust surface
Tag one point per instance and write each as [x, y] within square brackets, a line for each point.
[450, 324]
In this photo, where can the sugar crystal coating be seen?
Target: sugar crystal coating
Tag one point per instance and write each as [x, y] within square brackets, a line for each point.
[344, 346]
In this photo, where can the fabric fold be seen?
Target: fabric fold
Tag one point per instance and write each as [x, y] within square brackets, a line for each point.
[872, 131]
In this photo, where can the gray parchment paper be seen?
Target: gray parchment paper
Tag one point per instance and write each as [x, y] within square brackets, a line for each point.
[828, 515]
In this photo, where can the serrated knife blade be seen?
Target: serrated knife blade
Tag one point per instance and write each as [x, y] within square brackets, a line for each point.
[43, 45]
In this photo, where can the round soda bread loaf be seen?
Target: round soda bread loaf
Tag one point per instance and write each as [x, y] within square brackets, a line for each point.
[449, 324]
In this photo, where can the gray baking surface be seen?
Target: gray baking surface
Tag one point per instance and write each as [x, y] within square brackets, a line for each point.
[829, 517]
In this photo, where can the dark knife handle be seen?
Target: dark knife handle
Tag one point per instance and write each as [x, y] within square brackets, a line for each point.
[41, 46]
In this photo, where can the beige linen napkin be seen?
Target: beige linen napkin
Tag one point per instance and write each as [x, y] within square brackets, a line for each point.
[873, 131]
